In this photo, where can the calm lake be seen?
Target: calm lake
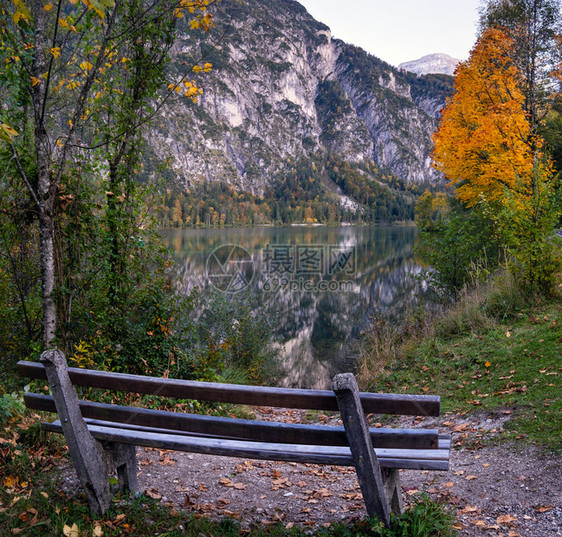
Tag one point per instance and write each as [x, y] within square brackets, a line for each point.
[323, 283]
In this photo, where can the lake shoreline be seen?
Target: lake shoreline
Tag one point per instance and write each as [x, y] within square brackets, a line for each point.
[398, 223]
[319, 283]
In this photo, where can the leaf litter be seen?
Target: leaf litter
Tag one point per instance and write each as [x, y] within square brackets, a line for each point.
[483, 487]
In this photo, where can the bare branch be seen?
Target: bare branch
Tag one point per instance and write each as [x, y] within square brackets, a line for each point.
[26, 180]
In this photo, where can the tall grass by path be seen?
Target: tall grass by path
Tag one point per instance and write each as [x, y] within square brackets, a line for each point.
[494, 350]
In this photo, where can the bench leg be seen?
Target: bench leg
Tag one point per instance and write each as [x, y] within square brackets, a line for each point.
[392, 489]
[124, 459]
[357, 431]
[86, 452]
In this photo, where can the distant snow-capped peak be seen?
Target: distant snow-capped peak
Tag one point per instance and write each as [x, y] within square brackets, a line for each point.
[432, 63]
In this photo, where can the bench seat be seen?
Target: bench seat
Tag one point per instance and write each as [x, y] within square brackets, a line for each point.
[429, 459]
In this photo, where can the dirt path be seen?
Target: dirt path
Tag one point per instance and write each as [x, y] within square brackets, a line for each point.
[494, 490]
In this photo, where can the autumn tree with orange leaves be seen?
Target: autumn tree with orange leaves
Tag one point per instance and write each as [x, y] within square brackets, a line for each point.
[483, 145]
[489, 151]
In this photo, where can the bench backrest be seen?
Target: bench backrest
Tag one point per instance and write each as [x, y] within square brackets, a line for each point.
[376, 403]
[235, 428]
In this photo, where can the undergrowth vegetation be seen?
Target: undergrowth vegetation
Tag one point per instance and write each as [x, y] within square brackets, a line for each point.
[495, 350]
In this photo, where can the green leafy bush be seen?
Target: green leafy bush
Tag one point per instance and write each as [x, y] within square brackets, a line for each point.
[462, 249]
[11, 405]
[229, 339]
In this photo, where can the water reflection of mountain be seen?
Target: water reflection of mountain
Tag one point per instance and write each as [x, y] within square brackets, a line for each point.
[315, 328]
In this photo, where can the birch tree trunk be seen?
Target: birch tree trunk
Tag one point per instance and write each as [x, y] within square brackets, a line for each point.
[45, 186]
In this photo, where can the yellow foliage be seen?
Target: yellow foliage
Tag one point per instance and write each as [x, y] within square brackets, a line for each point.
[61, 83]
[22, 12]
[7, 132]
[483, 144]
[83, 356]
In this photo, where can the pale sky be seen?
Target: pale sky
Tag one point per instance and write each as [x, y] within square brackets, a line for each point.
[401, 30]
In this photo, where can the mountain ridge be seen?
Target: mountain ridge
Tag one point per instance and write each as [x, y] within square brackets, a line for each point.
[285, 95]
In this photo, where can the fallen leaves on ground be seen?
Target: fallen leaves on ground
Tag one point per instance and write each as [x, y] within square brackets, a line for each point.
[506, 519]
[228, 483]
[153, 493]
[543, 509]
[71, 531]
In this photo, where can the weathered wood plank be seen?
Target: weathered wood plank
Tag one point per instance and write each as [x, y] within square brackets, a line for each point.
[124, 459]
[395, 453]
[337, 455]
[392, 489]
[427, 456]
[366, 464]
[403, 404]
[217, 446]
[86, 453]
[238, 428]
[419, 464]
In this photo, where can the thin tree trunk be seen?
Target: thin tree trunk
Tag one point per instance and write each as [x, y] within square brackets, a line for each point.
[48, 275]
[45, 190]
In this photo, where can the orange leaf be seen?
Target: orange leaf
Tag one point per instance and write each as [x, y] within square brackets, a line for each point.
[543, 509]
[153, 493]
[506, 519]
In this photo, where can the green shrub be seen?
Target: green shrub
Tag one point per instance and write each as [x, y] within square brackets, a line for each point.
[230, 340]
[463, 249]
[11, 406]
[426, 518]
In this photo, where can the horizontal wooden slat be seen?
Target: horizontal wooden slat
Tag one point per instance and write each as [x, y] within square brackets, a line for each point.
[262, 431]
[334, 455]
[403, 404]
[418, 464]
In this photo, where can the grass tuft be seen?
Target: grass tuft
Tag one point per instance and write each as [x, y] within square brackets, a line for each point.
[495, 350]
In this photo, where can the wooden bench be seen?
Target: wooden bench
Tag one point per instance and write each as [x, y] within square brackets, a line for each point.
[376, 453]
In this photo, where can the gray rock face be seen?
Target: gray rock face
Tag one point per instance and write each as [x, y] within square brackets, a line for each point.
[283, 89]
[432, 64]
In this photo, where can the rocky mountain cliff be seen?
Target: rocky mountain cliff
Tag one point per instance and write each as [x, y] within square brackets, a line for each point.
[432, 64]
[283, 91]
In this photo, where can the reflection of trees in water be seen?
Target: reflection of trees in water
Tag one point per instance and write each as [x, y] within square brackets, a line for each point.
[323, 327]
[317, 330]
